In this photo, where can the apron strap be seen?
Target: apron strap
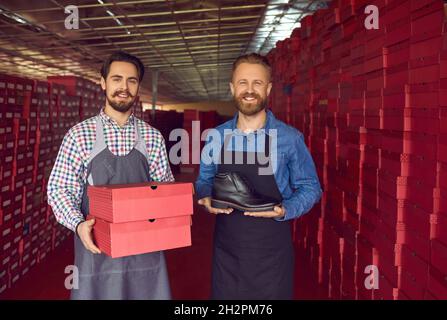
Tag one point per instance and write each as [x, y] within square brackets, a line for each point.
[140, 143]
[98, 146]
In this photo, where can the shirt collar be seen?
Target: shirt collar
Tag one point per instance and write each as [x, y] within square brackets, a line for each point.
[268, 123]
[107, 120]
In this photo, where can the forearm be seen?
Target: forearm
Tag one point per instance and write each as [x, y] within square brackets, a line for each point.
[65, 208]
[203, 189]
[301, 201]
[65, 185]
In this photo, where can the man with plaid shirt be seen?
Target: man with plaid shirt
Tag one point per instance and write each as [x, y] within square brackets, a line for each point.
[112, 148]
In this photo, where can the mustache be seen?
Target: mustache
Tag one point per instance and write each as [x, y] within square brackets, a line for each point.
[116, 93]
[249, 95]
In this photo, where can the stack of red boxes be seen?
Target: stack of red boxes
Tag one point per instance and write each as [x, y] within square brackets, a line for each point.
[282, 81]
[370, 104]
[165, 122]
[140, 218]
[195, 123]
[21, 197]
[88, 92]
[437, 283]
[34, 117]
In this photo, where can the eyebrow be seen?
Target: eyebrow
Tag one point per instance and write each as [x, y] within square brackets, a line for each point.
[257, 80]
[118, 76]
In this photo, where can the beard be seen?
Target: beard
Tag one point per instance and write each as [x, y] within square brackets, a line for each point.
[121, 106]
[253, 108]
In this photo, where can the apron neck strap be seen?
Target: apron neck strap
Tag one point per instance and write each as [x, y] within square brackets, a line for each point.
[137, 130]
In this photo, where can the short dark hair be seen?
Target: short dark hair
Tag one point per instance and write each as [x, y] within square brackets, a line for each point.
[253, 58]
[124, 57]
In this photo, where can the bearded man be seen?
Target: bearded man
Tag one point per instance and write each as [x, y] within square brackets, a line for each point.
[253, 254]
[113, 147]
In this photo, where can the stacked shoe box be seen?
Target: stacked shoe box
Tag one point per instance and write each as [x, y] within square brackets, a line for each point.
[437, 284]
[282, 80]
[365, 107]
[34, 116]
[195, 123]
[381, 106]
[409, 127]
[38, 106]
[86, 90]
[17, 172]
[141, 218]
[165, 122]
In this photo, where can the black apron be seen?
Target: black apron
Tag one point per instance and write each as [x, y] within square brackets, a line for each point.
[253, 257]
[135, 277]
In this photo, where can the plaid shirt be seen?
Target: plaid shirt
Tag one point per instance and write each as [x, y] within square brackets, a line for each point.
[69, 175]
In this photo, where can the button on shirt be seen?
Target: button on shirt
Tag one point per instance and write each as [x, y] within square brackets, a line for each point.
[294, 172]
[68, 177]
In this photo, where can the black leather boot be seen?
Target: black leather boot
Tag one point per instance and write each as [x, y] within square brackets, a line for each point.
[233, 190]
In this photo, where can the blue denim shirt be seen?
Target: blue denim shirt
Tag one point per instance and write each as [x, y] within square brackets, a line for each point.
[295, 172]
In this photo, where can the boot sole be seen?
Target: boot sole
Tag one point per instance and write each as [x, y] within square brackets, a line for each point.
[219, 204]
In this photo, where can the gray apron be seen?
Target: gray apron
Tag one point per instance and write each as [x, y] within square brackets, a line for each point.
[135, 277]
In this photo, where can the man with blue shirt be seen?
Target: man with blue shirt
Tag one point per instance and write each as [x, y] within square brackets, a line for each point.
[253, 254]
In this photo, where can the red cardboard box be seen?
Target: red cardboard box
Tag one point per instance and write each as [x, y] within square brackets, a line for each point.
[409, 165]
[397, 75]
[137, 202]
[410, 286]
[442, 175]
[438, 230]
[440, 200]
[420, 120]
[3, 280]
[412, 262]
[428, 19]
[442, 147]
[409, 142]
[425, 45]
[394, 186]
[439, 256]
[139, 218]
[397, 53]
[396, 10]
[131, 238]
[398, 31]
[437, 283]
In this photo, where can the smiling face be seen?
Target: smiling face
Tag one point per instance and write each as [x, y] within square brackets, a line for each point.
[121, 86]
[250, 87]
